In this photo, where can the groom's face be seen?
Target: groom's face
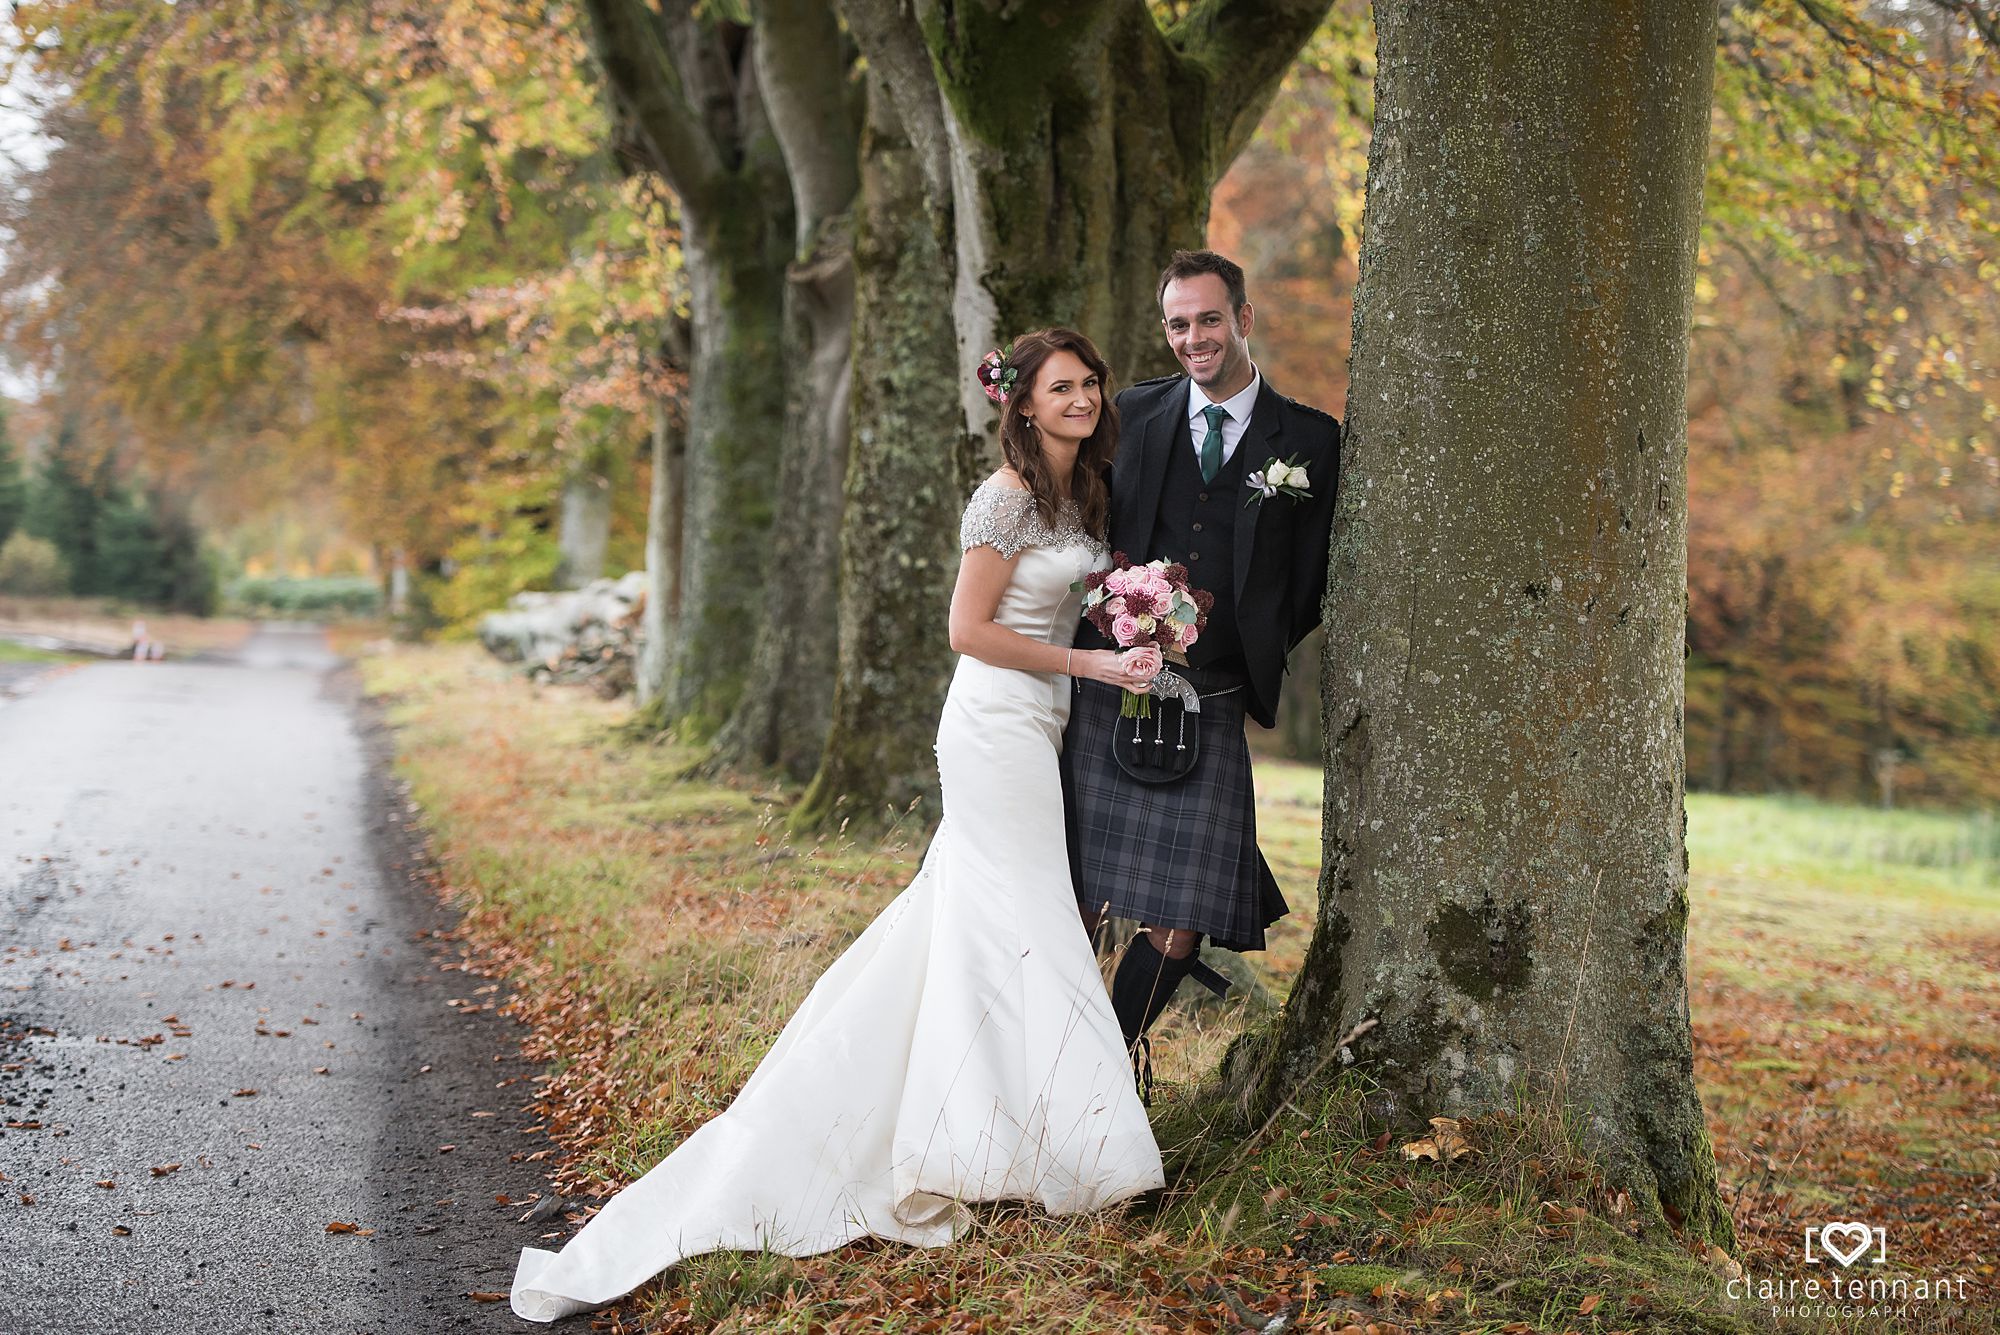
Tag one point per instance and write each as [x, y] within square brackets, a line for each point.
[1210, 339]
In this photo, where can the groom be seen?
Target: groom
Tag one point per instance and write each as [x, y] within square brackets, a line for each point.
[1177, 851]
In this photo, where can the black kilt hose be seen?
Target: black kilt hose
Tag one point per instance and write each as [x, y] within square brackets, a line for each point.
[1181, 854]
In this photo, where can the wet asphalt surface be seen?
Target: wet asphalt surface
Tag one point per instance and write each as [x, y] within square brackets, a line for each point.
[215, 952]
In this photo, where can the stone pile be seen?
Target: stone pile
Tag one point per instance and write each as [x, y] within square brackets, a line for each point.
[588, 635]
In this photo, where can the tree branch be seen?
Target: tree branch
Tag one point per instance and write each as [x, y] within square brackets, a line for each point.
[1245, 47]
[638, 64]
[803, 64]
[889, 36]
[1983, 15]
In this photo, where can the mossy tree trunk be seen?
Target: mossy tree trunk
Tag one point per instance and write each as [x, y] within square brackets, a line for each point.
[907, 476]
[1505, 883]
[1063, 151]
[803, 65]
[687, 100]
[1074, 144]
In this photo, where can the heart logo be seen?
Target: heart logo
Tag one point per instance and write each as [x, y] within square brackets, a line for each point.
[1858, 1235]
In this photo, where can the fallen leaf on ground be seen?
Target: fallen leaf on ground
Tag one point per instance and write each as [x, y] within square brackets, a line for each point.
[487, 1296]
[161, 1170]
[1444, 1144]
[339, 1227]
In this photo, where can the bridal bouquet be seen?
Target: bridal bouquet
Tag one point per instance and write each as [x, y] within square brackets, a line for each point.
[1139, 605]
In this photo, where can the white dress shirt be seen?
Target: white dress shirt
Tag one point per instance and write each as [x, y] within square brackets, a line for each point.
[1238, 407]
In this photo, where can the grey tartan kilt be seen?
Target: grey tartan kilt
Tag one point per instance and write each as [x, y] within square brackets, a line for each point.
[1181, 854]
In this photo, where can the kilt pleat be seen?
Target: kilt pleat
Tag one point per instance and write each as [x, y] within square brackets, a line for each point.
[1181, 854]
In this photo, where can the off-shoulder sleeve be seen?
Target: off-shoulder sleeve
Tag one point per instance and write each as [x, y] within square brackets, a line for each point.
[1002, 518]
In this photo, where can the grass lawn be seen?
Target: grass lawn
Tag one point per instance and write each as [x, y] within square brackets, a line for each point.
[11, 652]
[1844, 972]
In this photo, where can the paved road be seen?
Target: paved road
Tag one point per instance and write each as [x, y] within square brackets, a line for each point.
[211, 956]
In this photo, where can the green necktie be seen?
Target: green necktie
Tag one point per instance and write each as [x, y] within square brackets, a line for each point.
[1211, 444]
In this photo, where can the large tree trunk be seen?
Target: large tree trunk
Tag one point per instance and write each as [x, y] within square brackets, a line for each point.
[1505, 884]
[736, 420]
[687, 105]
[1064, 150]
[783, 716]
[908, 472]
[1074, 145]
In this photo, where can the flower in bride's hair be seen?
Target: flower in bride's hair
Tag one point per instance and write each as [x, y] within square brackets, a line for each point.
[995, 376]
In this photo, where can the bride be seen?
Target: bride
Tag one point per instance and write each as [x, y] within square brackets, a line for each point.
[963, 1048]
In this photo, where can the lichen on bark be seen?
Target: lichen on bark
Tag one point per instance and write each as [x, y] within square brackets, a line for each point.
[908, 472]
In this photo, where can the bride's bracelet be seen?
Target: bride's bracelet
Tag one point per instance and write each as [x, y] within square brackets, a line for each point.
[1068, 654]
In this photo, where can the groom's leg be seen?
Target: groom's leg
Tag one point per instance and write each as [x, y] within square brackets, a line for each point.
[1147, 976]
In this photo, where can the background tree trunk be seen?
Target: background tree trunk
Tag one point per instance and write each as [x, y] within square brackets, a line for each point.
[783, 716]
[736, 421]
[908, 472]
[1063, 150]
[584, 527]
[1080, 144]
[688, 105]
[1505, 884]
[667, 498]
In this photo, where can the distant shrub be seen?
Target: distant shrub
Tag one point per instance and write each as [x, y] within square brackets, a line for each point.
[338, 595]
[32, 567]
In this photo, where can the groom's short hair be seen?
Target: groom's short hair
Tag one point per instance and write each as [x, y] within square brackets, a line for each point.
[1191, 263]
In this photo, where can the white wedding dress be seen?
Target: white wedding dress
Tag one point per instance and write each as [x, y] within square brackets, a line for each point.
[962, 1049]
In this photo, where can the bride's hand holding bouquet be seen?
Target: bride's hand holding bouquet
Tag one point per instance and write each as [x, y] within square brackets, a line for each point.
[1146, 609]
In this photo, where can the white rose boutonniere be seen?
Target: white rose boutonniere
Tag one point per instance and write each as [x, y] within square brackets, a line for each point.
[1285, 477]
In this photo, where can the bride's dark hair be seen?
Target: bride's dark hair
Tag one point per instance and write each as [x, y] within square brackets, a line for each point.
[1020, 441]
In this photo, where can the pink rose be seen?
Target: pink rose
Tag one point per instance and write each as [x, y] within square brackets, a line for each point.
[1115, 606]
[1125, 629]
[1117, 581]
[1189, 636]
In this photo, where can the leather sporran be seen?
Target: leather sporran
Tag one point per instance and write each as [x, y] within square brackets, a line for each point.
[1160, 749]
